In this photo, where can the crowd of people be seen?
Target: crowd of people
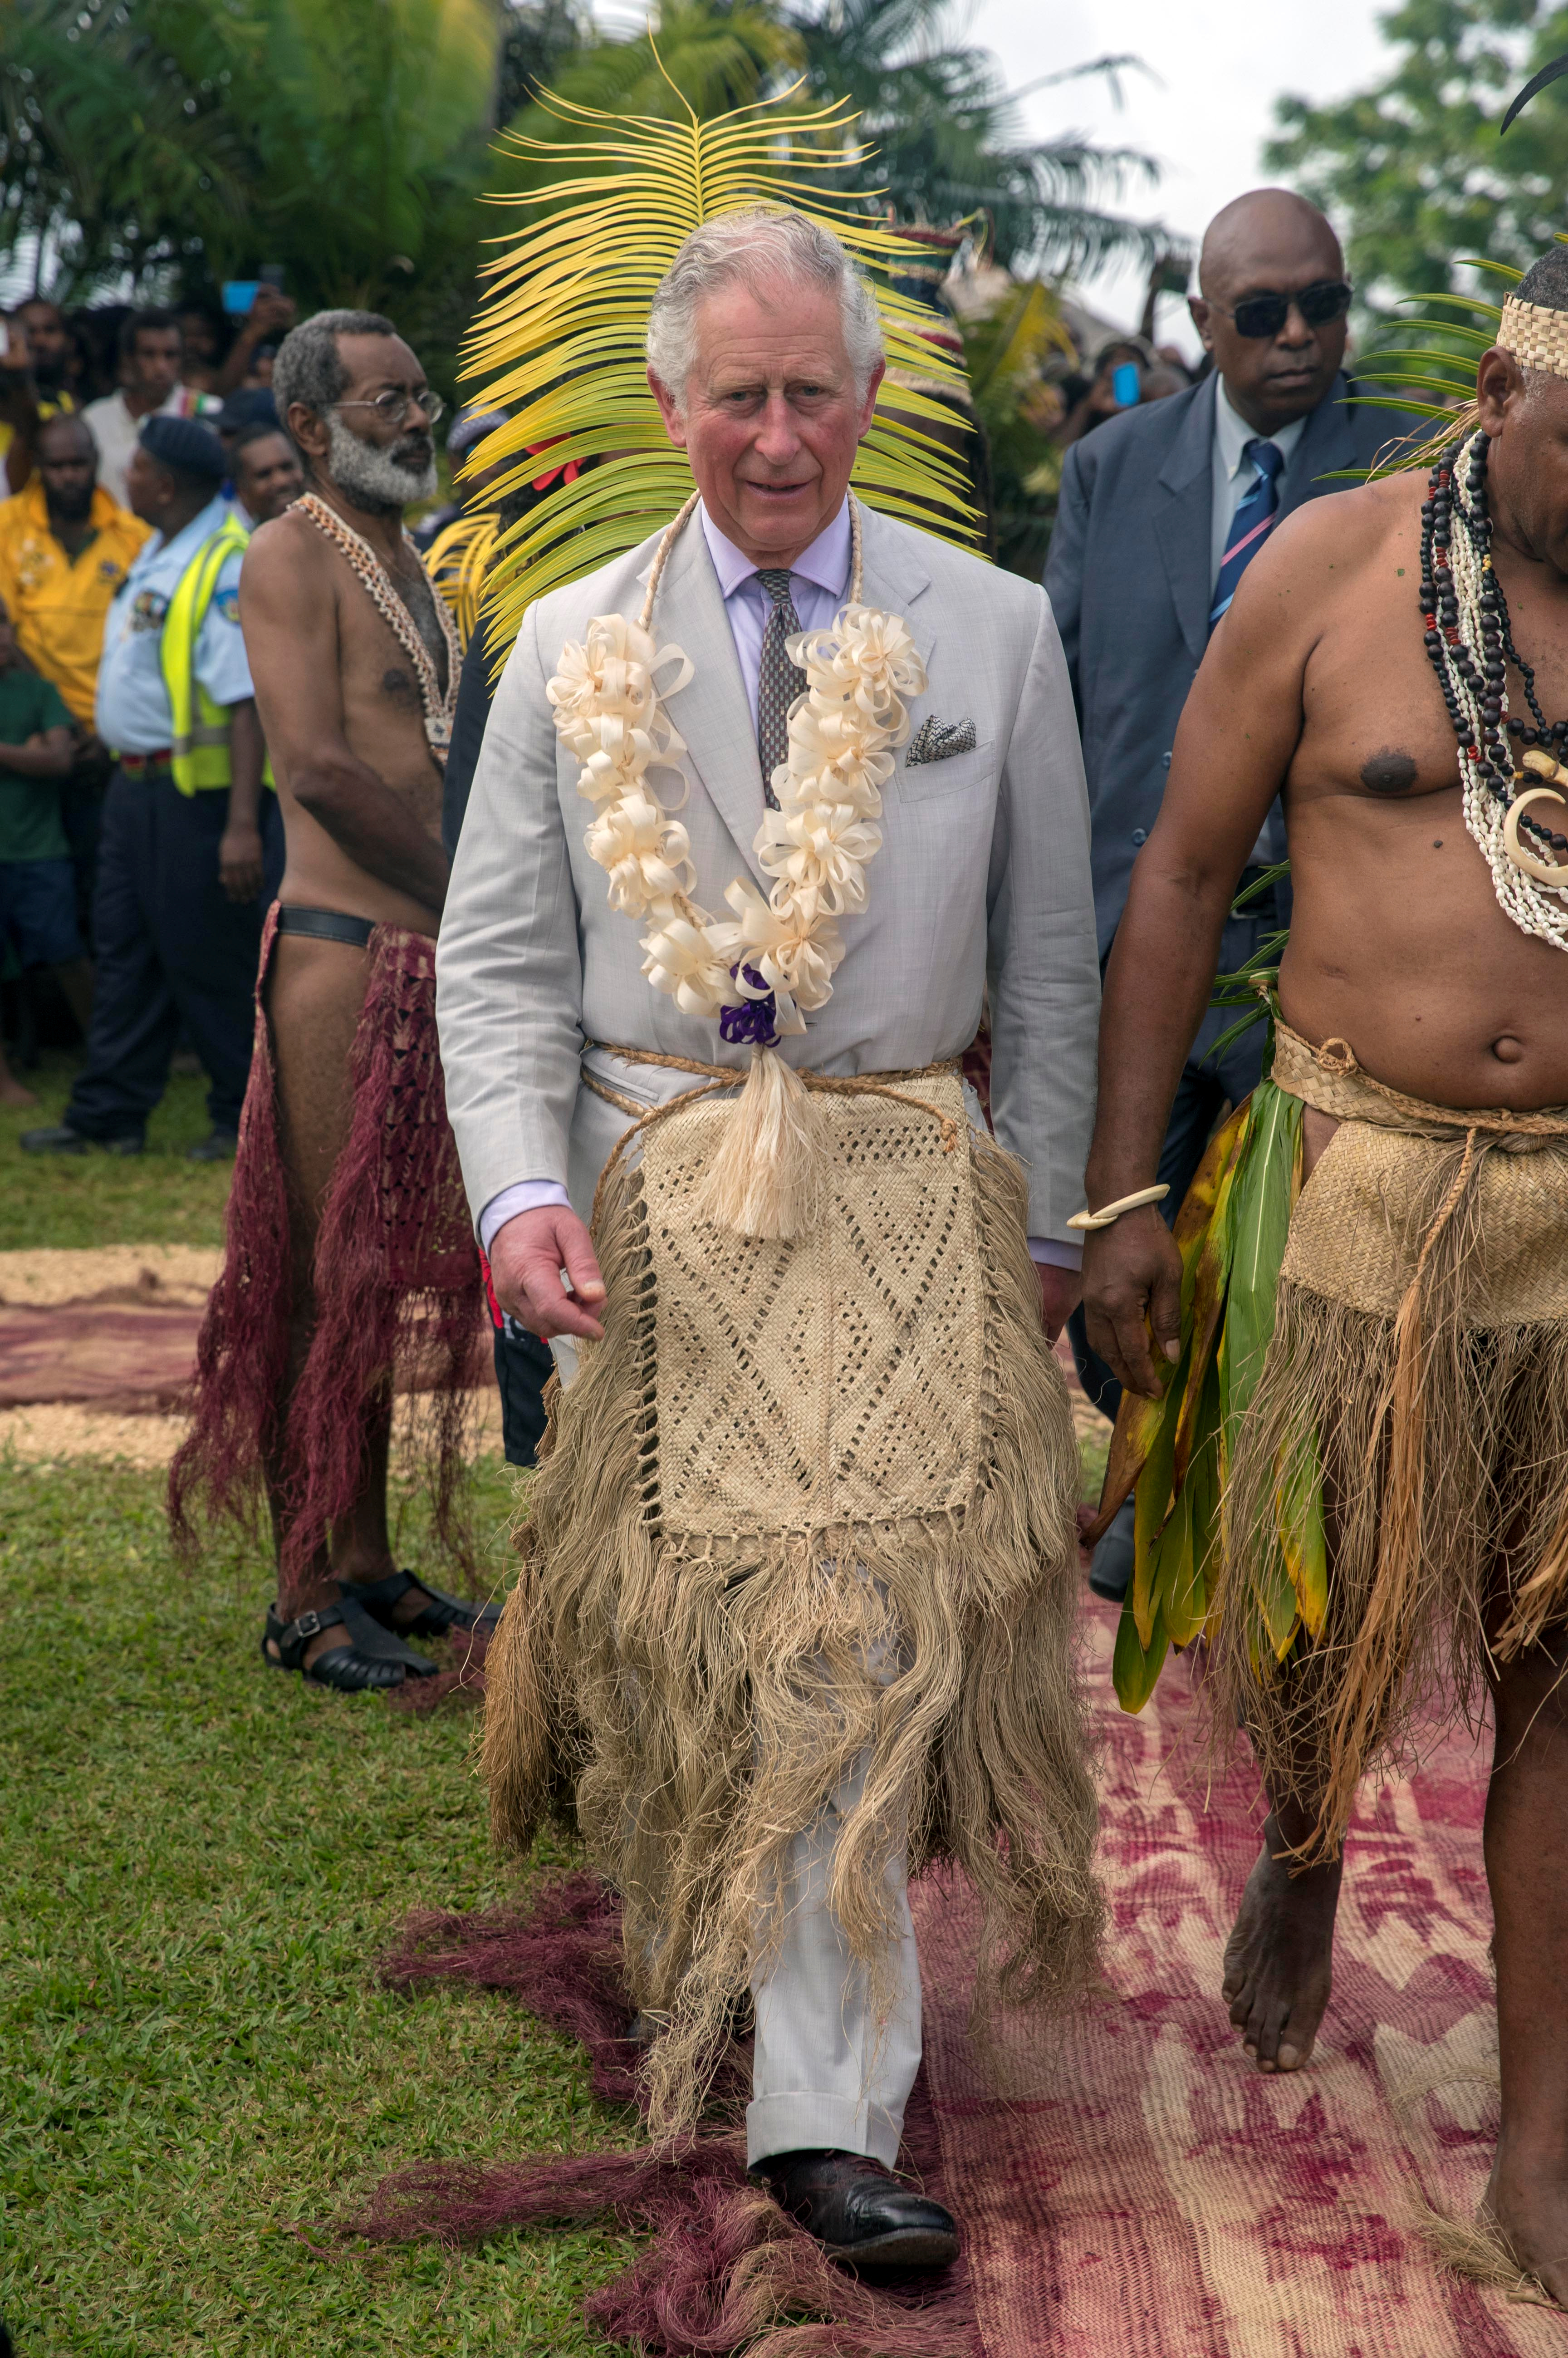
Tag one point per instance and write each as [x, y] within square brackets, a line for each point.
[794, 1608]
[116, 496]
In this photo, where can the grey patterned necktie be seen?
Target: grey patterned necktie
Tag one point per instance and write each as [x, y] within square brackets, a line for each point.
[779, 681]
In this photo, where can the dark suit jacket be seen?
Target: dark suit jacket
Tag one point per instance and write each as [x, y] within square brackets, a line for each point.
[472, 711]
[1127, 579]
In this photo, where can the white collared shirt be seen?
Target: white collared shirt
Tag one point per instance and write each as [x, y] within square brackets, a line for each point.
[1234, 473]
[819, 582]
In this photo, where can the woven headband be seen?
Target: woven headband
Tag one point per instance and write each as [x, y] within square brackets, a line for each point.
[1537, 338]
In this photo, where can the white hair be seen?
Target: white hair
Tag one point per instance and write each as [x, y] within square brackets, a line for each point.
[761, 247]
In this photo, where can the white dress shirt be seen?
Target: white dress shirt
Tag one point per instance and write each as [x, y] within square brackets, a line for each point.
[1234, 475]
[819, 583]
[116, 434]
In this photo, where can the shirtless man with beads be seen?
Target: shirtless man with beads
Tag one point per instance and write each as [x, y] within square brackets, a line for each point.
[1409, 944]
[355, 664]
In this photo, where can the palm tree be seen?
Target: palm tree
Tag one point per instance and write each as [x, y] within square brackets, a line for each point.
[934, 106]
[345, 139]
[945, 128]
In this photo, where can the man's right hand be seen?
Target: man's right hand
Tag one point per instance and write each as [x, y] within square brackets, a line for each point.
[1133, 1282]
[271, 315]
[526, 1258]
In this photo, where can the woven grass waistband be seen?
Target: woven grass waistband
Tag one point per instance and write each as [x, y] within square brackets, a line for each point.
[1330, 1079]
[873, 1085]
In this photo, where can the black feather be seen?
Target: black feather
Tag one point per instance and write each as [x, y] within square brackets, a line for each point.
[1537, 82]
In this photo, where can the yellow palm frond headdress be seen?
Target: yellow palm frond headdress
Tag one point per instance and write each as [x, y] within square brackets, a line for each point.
[559, 341]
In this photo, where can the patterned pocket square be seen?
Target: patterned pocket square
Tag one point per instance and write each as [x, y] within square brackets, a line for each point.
[938, 740]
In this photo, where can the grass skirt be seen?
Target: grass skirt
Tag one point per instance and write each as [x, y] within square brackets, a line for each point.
[1419, 1360]
[1356, 1484]
[396, 1287]
[808, 1500]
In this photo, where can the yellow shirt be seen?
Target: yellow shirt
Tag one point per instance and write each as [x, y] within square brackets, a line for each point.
[58, 605]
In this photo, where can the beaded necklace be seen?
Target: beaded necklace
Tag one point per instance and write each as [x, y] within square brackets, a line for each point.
[440, 705]
[1470, 643]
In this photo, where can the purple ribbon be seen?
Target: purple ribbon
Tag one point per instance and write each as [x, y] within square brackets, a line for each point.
[753, 1025]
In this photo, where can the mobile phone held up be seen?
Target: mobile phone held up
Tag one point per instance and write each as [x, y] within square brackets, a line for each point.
[1125, 385]
[240, 293]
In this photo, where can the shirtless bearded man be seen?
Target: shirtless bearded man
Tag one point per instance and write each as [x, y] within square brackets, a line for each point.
[1384, 1392]
[349, 1242]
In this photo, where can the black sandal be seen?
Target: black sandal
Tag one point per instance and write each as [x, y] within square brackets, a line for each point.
[443, 1617]
[372, 1658]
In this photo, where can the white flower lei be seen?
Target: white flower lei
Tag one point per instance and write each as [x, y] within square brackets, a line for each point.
[816, 845]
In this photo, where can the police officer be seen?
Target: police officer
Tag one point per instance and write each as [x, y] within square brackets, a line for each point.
[191, 848]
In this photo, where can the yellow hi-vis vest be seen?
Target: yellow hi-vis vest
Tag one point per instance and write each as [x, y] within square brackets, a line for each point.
[201, 727]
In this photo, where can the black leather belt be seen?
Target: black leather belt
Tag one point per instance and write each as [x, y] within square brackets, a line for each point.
[327, 926]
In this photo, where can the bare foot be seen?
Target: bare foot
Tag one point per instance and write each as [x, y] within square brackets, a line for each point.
[1528, 2198]
[1279, 1959]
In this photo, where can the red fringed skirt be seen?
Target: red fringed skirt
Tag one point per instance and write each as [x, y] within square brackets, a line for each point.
[397, 1290]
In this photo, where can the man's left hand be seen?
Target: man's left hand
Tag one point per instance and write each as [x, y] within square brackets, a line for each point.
[1061, 1290]
[240, 863]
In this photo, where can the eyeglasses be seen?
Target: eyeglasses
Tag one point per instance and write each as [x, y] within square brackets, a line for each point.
[1265, 315]
[393, 408]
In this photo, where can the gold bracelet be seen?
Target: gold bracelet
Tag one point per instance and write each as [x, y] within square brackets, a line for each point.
[1112, 1212]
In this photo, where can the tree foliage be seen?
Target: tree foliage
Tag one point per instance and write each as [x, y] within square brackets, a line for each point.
[197, 139]
[1414, 172]
[174, 143]
[946, 133]
[934, 106]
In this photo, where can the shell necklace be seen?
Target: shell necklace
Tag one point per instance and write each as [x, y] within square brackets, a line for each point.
[763, 971]
[440, 705]
[1469, 640]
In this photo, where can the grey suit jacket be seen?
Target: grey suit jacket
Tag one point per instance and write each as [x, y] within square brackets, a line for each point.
[1127, 577]
[984, 870]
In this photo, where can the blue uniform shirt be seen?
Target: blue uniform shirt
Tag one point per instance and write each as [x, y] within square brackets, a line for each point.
[133, 714]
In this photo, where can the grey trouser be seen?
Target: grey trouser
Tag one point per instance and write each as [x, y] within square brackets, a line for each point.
[823, 2071]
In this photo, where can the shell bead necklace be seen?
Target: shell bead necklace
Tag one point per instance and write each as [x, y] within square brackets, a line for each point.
[1470, 642]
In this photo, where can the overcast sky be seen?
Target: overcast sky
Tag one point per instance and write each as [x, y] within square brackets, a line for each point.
[1206, 106]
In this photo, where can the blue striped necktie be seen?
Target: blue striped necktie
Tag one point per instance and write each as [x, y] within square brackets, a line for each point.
[1251, 524]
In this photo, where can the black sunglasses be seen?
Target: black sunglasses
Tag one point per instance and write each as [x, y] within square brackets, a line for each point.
[1265, 315]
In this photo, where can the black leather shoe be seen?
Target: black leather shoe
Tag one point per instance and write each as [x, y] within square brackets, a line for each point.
[218, 1146]
[1111, 1566]
[859, 2212]
[63, 1140]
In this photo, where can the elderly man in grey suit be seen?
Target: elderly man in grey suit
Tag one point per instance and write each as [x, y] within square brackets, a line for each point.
[1160, 512]
[764, 350]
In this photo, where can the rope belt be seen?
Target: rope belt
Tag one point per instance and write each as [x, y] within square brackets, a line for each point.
[1330, 1079]
[867, 1085]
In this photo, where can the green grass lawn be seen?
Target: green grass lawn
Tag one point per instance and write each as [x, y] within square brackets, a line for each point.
[103, 1199]
[202, 1860]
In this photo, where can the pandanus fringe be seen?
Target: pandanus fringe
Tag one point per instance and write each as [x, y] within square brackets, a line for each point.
[1443, 1453]
[704, 1698]
[393, 1288]
[1355, 1506]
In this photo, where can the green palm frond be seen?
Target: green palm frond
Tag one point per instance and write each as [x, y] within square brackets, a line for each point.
[1441, 377]
[559, 339]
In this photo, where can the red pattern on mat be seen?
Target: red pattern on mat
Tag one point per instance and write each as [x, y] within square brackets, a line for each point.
[1168, 2200]
[725, 2265]
[118, 1357]
[1163, 2199]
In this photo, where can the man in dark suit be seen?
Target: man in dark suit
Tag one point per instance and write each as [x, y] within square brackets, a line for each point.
[1161, 512]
